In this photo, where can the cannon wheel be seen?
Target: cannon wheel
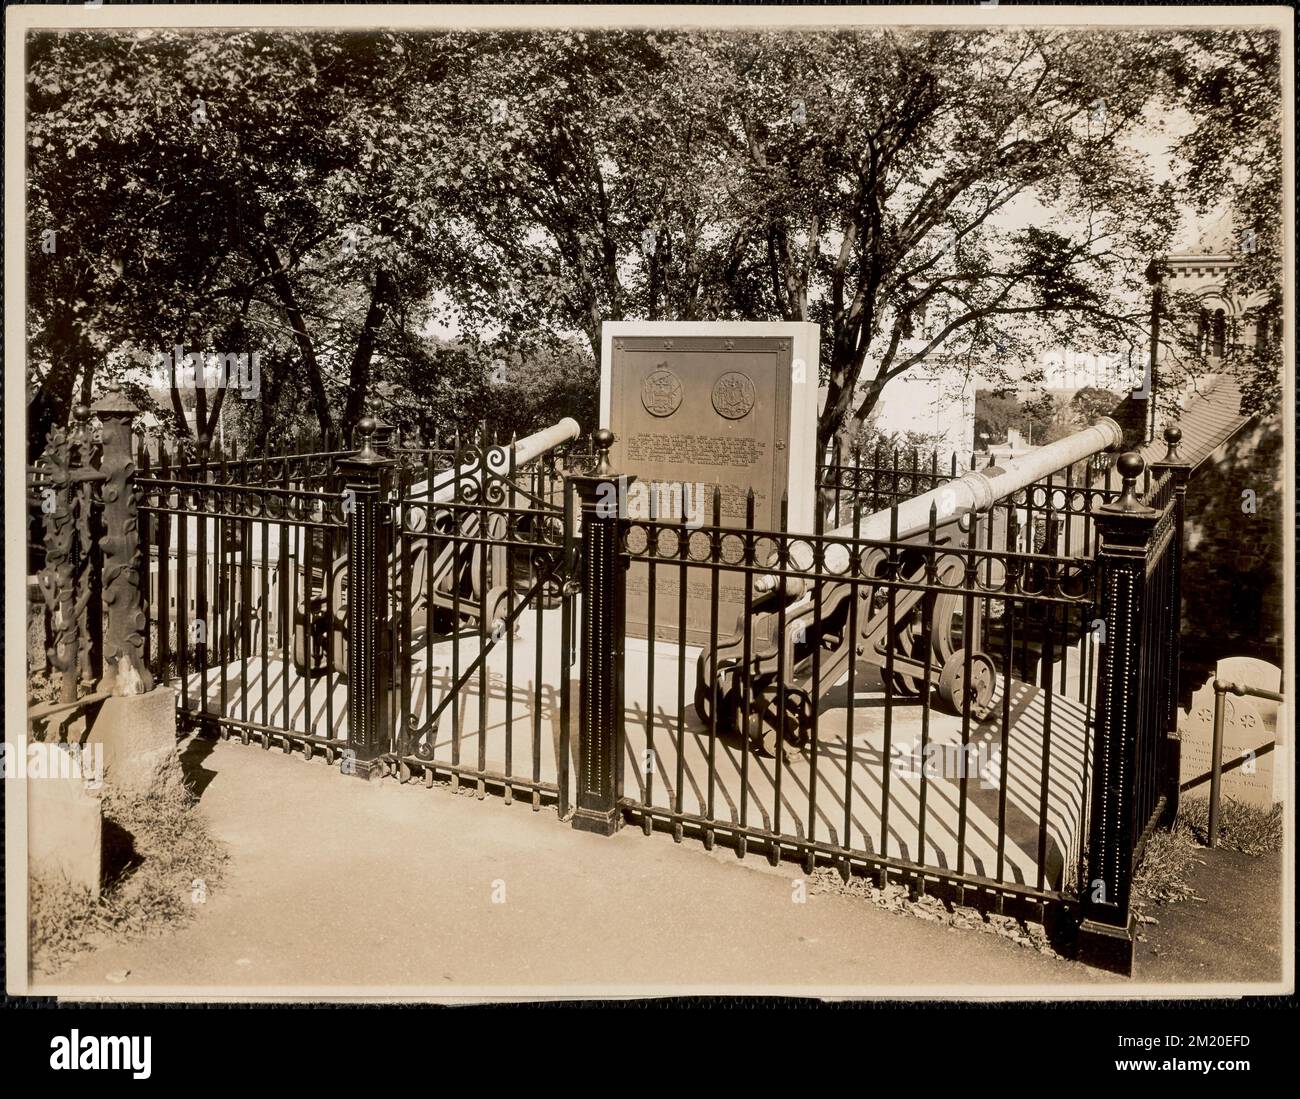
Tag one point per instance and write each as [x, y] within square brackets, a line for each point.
[705, 701]
[952, 682]
[339, 590]
[945, 635]
[762, 733]
[907, 641]
[313, 662]
[944, 638]
[704, 689]
[312, 657]
[495, 605]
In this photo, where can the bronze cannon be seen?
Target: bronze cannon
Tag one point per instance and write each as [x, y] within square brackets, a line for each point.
[799, 633]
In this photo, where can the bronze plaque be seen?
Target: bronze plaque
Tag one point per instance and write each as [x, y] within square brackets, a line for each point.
[689, 413]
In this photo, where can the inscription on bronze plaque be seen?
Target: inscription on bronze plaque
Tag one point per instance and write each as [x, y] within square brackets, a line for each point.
[707, 411]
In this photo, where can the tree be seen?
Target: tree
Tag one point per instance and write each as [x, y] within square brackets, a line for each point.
[231, 190]
[855, 178]
[959, 198]
[996, 413]
[1231, 83]
[1046, 419]
[541, 381]
[1091, 403]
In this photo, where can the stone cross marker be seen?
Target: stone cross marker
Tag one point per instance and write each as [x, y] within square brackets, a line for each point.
[698, 404]
[1251, 740]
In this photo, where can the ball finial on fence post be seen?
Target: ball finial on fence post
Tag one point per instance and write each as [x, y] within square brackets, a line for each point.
[366, 427]
[79, 433]
[604, 440]
[1130, 465]
[1173, 436]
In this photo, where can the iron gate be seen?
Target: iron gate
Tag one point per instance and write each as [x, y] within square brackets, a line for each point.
[483, 566]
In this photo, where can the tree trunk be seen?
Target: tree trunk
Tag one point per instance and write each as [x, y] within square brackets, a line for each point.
[359, 374]
[72, 359]
[845, 425]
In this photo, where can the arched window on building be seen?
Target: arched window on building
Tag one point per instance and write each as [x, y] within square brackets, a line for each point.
[1203, 332]
[1218, 334]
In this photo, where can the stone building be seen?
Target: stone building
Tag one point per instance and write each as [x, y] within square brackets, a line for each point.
[1235, 554]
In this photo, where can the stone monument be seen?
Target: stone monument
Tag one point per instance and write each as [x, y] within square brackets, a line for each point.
[694, 405]
[1253, 740]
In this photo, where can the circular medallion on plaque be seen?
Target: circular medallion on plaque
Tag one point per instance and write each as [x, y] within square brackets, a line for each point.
[733, 395]
[661, 392]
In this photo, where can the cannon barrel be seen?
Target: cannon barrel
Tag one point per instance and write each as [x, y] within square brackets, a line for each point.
[974, 491]
[526, 450]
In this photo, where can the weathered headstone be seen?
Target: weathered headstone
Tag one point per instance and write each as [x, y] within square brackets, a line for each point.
[695, 405]
[1250, 671]
[1250, 745]
[1253, 672]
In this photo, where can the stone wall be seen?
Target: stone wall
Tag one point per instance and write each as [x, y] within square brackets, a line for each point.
[1234, 560]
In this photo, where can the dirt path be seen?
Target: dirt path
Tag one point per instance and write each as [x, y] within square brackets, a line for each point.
[338, 885]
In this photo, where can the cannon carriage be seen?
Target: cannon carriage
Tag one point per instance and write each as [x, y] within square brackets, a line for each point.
[454, 581]
[893, 590]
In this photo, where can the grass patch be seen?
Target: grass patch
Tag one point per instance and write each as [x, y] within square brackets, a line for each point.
[1168, 859]
[1171, 854]
[160, 860]
[1242, 827]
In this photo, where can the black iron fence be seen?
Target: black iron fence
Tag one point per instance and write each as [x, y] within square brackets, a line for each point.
[483, 564]
[1135, 773]
[982, 705]
[962, 709]
[245, 607]
[921, 711]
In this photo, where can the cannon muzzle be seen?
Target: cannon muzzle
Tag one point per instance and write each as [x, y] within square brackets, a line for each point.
[974, 491]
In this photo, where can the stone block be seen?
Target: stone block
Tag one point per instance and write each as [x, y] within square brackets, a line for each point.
[138, 737]
[65, 828]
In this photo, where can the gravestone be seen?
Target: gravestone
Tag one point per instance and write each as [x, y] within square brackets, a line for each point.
[1252, 774]
[695, 405]
[1250, 671]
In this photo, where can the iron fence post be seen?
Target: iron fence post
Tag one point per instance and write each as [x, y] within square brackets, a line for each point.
[1107, 933]
[1180, 471]
[1216, 763]
[125, 672]
[89, 568]
[600, 697]
[365, 476]
[57, 575]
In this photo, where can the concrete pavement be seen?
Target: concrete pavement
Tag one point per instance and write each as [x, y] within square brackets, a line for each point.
[340, 887]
